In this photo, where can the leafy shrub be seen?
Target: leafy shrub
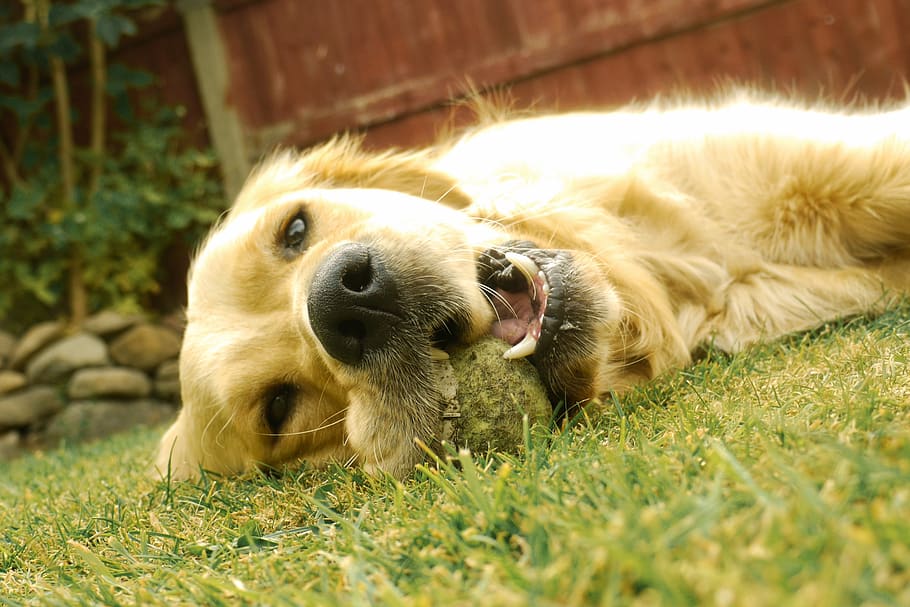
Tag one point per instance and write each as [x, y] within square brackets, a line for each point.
[96, 217]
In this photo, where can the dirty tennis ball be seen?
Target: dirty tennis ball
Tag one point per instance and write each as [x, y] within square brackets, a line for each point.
[486, 397]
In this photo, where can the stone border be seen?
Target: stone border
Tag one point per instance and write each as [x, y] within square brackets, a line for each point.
[61, 385]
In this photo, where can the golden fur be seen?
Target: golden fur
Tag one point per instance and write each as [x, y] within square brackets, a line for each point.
[728, 222]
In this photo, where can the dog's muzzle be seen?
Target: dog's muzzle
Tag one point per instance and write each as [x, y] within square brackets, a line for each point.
[353, 303]
[528, 295]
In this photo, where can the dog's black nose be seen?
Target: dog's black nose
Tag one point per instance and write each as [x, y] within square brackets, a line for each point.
[353, 303]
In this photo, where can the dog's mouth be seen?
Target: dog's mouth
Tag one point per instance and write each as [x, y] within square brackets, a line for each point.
[526, 288]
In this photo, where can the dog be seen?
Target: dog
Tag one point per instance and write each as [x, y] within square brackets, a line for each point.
[605, 247]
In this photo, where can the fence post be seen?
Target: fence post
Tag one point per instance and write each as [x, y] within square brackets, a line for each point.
[211, 70]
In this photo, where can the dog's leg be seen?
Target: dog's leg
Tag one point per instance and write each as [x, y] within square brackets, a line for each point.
[847, 206]
[783, 299]
[808, 188]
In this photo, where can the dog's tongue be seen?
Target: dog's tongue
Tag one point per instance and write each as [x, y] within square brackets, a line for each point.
[511, 330]
[514, 312]
[520, 302]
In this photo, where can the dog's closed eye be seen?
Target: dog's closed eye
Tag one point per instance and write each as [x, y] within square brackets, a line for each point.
[279, 403]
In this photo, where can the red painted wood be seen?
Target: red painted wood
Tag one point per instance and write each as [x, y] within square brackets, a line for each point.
[843, 51]
[302, 69]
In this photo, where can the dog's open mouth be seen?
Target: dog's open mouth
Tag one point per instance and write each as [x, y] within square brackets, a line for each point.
[525, 286]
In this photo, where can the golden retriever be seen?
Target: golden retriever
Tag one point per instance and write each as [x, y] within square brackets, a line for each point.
[606, 247]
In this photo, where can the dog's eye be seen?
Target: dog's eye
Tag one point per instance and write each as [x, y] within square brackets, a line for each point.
[279, 404]
[294, 234]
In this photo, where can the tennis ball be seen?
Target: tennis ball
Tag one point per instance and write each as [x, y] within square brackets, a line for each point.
[486, 397]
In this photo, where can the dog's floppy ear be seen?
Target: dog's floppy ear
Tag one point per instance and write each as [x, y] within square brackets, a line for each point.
[177, 457]
[343, 163]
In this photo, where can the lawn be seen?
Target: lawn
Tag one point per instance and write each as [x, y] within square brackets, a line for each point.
[780, 476]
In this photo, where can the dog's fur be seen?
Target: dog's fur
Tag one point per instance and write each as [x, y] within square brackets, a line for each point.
[667, 226]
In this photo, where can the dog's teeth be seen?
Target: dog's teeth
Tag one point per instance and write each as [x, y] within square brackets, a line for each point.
[527, 267]
[437, 354]
[523, 263]
[522, 349]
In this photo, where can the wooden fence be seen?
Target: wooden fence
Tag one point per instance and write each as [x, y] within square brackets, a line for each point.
[253, 74]
[269, 72]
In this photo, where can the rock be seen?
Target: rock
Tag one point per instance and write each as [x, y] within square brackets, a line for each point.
[176, 321]
[167, 380]
[109, 381]
[107, 322]
[145, 347]
[92, 419]
[487, 396]
[34, 339]
[29, 406]
[10, 445]
[10, 381]
[57, 361]
[7, 343]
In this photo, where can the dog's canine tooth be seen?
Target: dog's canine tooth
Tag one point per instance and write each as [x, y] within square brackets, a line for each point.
[527, 267]
[437, 354]
[522, 349]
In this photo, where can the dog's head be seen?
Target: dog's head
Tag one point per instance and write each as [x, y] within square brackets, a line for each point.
[314, 312]
[316, 307]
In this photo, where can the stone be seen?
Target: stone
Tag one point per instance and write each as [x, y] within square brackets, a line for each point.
[11, 381]
[121, 382]
[169, 369]
[10, 445]
[486, 397]
[167, 380]
[34, 339]
[7, 343]
[176, 321]
[59, 360]
[145, 347]
[28, 406]
[93, 419]
[107, 322]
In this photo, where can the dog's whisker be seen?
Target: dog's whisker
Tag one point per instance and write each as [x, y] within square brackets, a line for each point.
[325, 386]
[489, 294]
[492, 223]
[444, 194]
[224, 427]
[323, 426]
[208, 425]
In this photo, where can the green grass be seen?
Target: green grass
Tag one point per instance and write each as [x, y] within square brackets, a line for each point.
[780, 476]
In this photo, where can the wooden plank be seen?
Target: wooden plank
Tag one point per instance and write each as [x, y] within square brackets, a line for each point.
[835, 51]
[804, 47]
[301, 69]
[209, 63]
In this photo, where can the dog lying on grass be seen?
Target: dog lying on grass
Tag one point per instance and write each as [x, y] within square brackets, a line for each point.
[605, 247]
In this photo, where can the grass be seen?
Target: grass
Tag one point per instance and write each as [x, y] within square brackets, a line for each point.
[780, 476]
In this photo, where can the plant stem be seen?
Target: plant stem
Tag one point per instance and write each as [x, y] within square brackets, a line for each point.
[25, 129]
[64, 130]
[77, 295]
[99, 107]
[9, 164]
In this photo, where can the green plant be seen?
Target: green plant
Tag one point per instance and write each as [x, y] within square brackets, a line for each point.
[776, 476]
[84, 224]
